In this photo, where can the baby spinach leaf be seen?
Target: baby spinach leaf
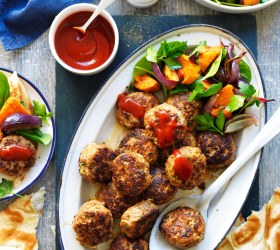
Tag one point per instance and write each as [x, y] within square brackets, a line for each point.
[151, 55]
[179, 89]
[40, 110]
[197, 49]
[214, 67]
[4, 89]
[212, 90]
[6, 188]
[245, 71]
[172, 63]
[36, 134]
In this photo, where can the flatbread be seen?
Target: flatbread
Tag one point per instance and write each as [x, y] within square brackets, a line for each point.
[18, 222]
[261, 231]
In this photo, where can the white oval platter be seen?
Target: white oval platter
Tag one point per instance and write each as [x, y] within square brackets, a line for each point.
[99, 118]
[44, 153]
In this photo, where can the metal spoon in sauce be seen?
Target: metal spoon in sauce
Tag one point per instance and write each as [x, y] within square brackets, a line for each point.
[269, 131]
[102, 5]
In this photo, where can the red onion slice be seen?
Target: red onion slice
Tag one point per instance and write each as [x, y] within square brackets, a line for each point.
[240, 122]
[169, 84]
[210, 103]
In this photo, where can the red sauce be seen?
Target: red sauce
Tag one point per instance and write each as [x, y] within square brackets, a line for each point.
[165, 128]
[130, 106]
[15, 153]
[84, 51]
[183, 167]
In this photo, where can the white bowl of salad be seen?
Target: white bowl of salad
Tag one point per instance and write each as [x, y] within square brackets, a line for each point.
[236, 6]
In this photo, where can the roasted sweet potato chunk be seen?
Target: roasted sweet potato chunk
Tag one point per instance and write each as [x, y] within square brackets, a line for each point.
[215, 112]
[250, 2]
[190, 70]
[224, 96]
[170, 74]
[207, 56]
[146, 83]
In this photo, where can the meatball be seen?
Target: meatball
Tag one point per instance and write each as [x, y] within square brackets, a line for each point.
[183, 138]
[165, 121]
[195, 165]
[160, 190]
[145, 101]
[16, 168]
[189, 109]
[182, 227]
[93, 224]
[131, 173]
[218, 149]
[123, 243]
[96, 163]
[115, 201]
[140, 141]
[139, 219]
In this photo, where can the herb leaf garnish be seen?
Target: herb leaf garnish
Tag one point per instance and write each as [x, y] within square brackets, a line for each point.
[6, 188]
[40, 110]
[4, 89]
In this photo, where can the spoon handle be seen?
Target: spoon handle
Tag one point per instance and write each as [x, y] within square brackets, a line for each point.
[270, 130]
[102, 5]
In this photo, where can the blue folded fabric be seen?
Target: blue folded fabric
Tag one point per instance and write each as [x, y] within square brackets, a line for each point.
[23, 21]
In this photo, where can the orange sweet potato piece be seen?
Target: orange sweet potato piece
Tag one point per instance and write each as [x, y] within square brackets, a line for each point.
[170, 74]
[146, 83]
[224, 96]
[206, 84]
[250, 2]
[180, 74]
[11, 106]
[190, 70]
[207, 56]
[215, 112]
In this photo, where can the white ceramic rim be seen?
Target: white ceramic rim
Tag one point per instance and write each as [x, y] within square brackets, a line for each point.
[74, 9]
[67, 197]
[20, 189]
[237, 10]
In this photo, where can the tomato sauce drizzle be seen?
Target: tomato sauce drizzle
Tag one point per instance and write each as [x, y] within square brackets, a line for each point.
[165, 128]
[130, 106]
[15, 153]
[183, 167]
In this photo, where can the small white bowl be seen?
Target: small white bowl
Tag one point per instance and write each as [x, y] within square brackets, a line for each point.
[69, 11]
[235, 10]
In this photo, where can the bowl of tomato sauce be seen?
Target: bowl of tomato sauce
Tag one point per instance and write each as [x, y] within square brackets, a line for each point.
[83, 54]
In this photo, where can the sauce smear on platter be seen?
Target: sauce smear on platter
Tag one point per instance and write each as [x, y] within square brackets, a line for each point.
[84, 51]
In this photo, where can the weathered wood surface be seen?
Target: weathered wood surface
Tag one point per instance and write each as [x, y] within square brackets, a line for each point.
[37, 64]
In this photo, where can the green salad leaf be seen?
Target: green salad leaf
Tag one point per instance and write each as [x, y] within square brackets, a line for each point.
[199, 92]
[6, 188]
[36, 134]
[4, 89]
[235, 102]
[245, 71]
[214, 66]
[197, 49]
[180, 88]
[206, 122]
[40, 110]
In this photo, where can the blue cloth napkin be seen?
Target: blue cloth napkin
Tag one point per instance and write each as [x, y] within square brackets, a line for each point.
[23, 21]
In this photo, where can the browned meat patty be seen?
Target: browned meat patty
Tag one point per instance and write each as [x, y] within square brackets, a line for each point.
[93, 224]
[183, 138]
[131, 173]
[145, 100]
[17, 168]
[164, 121]
[139, 219]
[121, 242]
[189, 109]
[96, 163]
[115, 201]
[218, 149]
[160, 190]
[182, 227]
[198, 164]
[140, 141]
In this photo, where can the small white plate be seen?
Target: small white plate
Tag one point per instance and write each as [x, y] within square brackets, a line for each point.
[235, 10]
[99, 118]
[44, 153]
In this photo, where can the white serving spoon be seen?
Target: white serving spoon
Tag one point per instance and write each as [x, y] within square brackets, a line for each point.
[270, 129]
[102, 5]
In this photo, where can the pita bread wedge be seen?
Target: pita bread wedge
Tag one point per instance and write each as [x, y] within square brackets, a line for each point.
[18, 91]
[18, 222]
[272, 222]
